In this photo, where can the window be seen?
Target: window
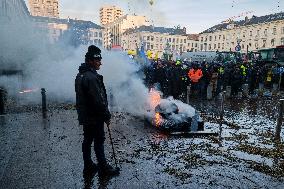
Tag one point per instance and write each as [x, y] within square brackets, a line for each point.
[214, 46]
[210, 39]
[282, 41]
[219, 37]
[250, 33]
[174, 40]
[282, 30]
[170, 39]
[95, 34]
[265, 32]
[264, 43]
[148, 38]
[257, 33]
[152, 38]
[224, 37]
[201, 39]
[218, 45]
[244, 34]
[272, 42]
[195, 44]
[184, 40]
[215, 37]
[177, 40]
[274, 31]
[209, 47]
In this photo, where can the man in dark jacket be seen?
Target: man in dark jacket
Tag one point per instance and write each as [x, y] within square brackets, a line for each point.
[93, 112]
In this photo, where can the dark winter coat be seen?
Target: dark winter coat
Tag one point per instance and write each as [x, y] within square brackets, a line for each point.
[91, 97]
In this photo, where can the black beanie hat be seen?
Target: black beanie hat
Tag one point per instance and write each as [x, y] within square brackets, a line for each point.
[94, 53]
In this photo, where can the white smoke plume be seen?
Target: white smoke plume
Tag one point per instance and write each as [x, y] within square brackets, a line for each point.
[54, 67]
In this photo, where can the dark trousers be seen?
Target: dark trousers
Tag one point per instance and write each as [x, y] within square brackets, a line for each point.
[94, 133]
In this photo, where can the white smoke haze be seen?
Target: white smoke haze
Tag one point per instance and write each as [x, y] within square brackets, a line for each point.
[54, 67]
[121, 78]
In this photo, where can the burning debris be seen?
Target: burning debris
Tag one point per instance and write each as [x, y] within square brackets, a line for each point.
[28, 91]
[172, 115]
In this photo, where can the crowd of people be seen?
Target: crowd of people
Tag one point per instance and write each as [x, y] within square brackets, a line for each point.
[173, 77]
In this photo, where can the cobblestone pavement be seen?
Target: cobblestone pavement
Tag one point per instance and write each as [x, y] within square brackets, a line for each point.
[37, 153]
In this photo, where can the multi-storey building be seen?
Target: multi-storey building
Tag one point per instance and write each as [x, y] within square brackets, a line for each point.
[13, 11]
[249, 34]
[77, 31]
[109, 14]
[45, 8]
[156, 39]
[113, 31]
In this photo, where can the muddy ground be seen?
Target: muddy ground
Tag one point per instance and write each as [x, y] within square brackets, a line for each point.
[37, 153]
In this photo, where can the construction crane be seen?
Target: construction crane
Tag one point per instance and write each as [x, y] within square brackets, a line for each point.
[236, 17]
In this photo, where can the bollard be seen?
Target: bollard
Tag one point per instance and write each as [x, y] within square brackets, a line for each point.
[222, 105]
[274, 88]
[188, 93]
[44, 109]
[279, 121]
[228, 91]
[245, 89]
[240, 95]
[260, 89]
[210, 92]
[2, 101]
[222, 95]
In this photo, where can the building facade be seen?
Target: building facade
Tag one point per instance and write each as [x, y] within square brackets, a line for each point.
[246, 35]
[44, 8]
[77, 32]
[156, 39]
[13, 11]
[109, 14]
[113, 31]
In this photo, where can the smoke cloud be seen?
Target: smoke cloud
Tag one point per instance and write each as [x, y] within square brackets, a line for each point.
[55, 66]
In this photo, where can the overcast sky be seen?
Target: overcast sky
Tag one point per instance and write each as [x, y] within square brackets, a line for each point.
[195, 15]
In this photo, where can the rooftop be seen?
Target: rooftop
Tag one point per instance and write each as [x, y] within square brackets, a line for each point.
[251, 21]
[172, 31]
[73, 22]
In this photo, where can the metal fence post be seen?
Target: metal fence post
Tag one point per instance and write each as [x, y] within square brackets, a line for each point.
[2, 101]
[279, 120]
[188, 93]
[222, 95]
[44, 109]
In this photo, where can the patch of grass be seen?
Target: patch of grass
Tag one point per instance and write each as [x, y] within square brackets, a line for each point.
[265, 152]
[178, 173]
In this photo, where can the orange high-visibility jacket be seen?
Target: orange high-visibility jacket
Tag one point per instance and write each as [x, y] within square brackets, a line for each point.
[195, 75]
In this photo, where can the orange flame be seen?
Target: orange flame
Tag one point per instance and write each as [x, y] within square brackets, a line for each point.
[155, 98]
[158, 119]
[28, 91]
